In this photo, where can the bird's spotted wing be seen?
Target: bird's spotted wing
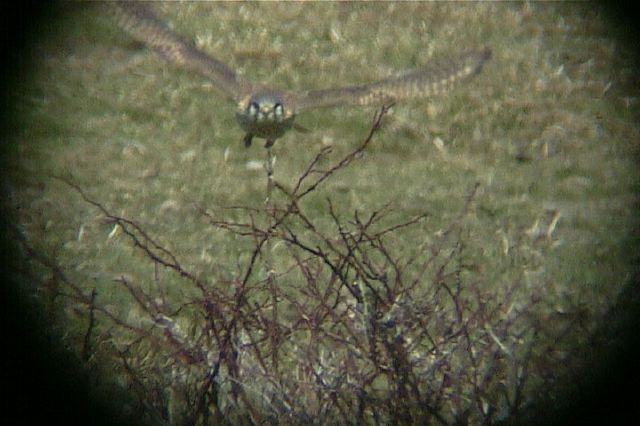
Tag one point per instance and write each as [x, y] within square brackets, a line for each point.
[140, 21]
[430, 80]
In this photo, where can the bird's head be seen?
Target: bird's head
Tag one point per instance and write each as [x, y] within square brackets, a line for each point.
[264, 115]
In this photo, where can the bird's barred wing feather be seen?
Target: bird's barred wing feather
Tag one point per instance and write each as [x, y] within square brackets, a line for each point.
[430, 80]
[142, 24]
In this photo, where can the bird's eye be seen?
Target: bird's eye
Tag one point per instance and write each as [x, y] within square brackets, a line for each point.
[278, 111]
[253, 109]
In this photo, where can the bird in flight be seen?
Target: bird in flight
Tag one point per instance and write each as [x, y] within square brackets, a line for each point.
[267, 113]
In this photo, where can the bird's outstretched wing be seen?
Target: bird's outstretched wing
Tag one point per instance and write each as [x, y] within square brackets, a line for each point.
[430, 80]
[141, 23]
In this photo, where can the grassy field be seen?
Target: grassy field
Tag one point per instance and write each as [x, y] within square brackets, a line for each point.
[549, 131]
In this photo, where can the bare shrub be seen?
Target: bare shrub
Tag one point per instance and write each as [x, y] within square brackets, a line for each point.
[344, 325]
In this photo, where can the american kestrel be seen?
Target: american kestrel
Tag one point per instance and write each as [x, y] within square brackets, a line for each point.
[268, 113]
